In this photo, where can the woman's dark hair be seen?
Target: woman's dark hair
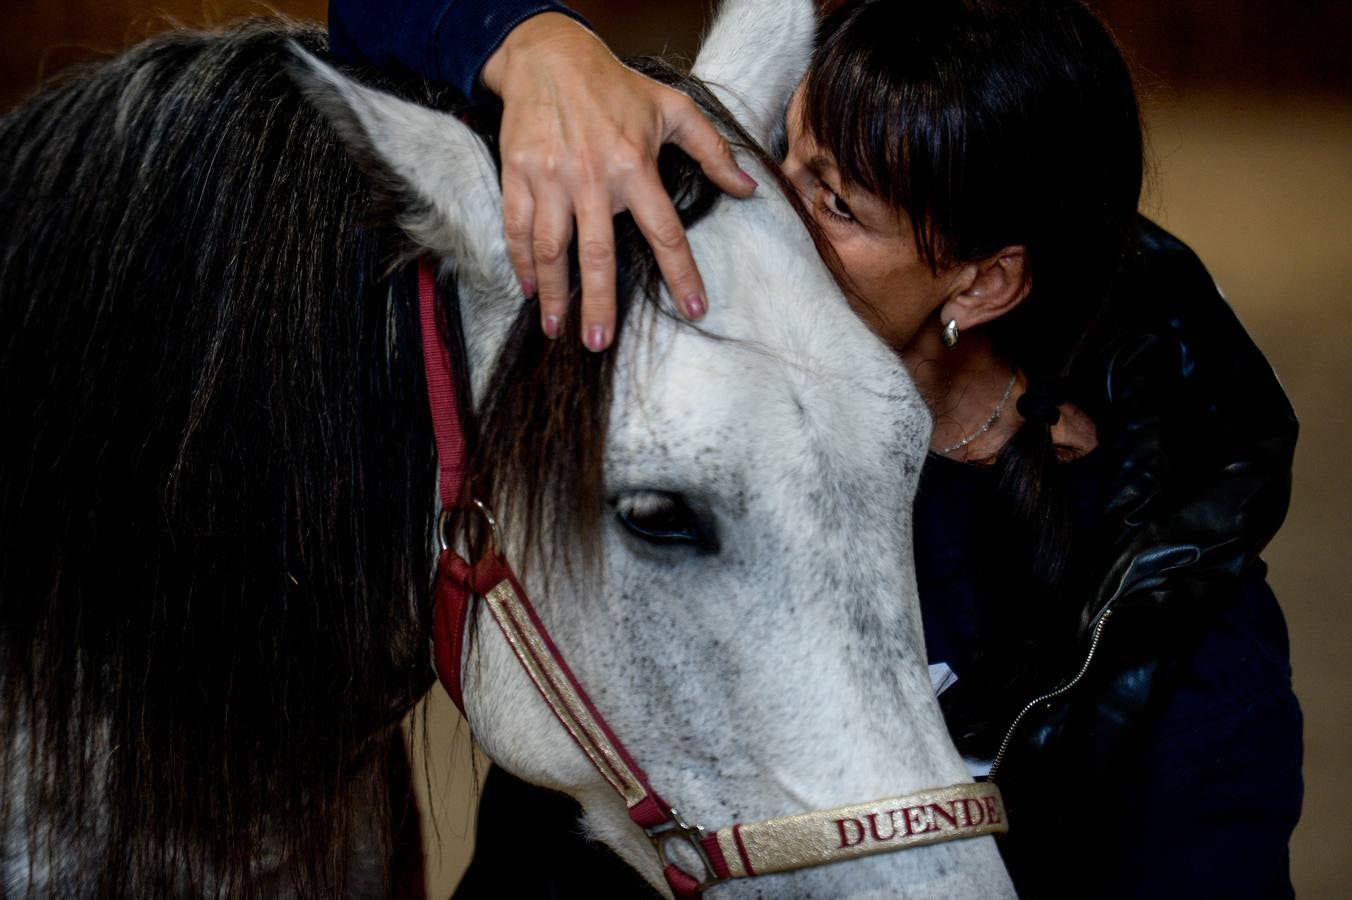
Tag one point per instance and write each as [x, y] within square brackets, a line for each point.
[996, 123]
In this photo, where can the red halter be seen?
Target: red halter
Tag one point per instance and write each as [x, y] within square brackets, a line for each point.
[777, 845]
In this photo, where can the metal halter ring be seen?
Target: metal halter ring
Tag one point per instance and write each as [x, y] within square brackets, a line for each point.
[444, 526]
[677, 829]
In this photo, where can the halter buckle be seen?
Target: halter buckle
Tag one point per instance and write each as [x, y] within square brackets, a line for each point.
[677, 829]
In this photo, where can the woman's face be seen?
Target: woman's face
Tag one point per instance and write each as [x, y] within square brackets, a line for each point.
[890, 285]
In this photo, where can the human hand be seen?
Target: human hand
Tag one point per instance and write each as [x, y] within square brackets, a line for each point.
[580, 138]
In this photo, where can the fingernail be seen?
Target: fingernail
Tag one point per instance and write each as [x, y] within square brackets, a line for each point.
[551, 326]
[694, 306]
[528, 288]
[749, 181]
[596, 337]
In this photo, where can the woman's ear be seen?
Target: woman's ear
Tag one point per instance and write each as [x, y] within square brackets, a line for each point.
[985, 290]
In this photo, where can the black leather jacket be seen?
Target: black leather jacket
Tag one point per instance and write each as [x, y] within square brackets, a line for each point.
[1200, 440]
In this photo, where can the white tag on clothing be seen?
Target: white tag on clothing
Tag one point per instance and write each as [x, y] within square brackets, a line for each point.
[942, 677]
[978, 768]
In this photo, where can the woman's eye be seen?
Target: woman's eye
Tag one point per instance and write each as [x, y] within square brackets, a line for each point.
[840, 207]
[834, 207]
[664, 519]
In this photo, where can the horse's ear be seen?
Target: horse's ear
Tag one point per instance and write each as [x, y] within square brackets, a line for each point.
[753, 57]
[438, 176]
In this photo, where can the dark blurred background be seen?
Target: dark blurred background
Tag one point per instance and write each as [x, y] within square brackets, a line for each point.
[1301, 46]
[1249, 110]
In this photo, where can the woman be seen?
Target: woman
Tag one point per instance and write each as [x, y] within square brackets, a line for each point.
[1110, 451]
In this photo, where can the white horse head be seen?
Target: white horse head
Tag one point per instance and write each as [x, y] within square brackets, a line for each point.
[764, 655]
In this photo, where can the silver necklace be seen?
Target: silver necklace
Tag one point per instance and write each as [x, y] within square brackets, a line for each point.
[995, 417]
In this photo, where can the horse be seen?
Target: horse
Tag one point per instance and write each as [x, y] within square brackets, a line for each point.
[218, 499]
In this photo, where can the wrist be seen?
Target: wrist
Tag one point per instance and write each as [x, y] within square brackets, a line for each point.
[531, 33]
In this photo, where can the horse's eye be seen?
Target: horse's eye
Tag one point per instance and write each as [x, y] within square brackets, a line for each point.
[661, 518]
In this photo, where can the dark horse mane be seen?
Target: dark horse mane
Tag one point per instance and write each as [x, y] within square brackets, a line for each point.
[216, 498]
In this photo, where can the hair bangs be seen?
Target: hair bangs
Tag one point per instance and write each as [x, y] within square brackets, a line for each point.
[886, 136]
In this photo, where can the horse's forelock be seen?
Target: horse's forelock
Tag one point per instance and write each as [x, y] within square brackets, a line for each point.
[541, 434]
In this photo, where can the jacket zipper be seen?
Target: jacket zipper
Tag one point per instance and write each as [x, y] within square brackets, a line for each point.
[1052, 695]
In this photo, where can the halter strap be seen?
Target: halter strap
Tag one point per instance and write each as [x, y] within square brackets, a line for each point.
[450, 610]
[457, 582]
[738, 851]
[446, 427]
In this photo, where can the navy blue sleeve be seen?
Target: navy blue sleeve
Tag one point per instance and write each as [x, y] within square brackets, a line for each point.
[447, 41]
[1222, 788]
